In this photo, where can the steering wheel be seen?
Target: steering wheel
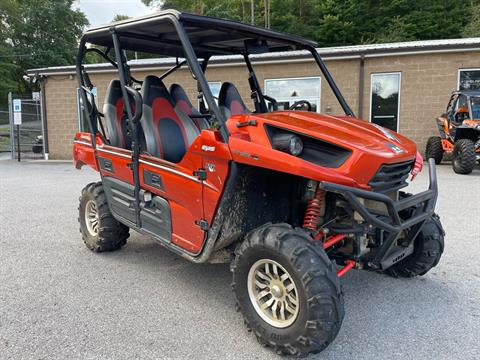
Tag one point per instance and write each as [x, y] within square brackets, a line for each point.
[299, 105]
[272, 101]
[460, 117]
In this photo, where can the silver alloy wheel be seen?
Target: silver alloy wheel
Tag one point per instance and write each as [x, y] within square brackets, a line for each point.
[273, 293]
[91, 217]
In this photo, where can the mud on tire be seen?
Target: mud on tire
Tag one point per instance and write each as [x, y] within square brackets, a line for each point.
[108, 234]
[317, 289]
[464, 158]
[427, 252]
[434, 149]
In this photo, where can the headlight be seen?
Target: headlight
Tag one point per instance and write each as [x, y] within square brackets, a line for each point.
[289, 143]
[308, 148]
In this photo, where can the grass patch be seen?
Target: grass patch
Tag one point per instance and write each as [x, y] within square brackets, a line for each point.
[4, 143]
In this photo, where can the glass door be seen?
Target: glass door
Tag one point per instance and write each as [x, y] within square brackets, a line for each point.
[385, 100]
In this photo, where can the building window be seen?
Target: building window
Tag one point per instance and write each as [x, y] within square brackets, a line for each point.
[385, 99]
[469, 79]
[290, 90]
[215, 89]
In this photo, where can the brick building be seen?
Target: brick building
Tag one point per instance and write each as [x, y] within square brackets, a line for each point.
[403, 86]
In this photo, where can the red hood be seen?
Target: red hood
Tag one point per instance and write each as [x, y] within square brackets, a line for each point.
[371, 146]
[345, 131]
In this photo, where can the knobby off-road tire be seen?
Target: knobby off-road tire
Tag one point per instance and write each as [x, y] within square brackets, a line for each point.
[100, 231]
[310, 279]
[434, 149]
[428, 249]
[464, 158]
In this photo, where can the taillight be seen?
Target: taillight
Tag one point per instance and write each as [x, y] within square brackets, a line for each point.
[417, 167]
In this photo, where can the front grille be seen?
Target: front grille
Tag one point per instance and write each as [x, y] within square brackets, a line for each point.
[391, 177]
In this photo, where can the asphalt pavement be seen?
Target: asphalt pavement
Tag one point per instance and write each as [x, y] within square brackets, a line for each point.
[58, 300]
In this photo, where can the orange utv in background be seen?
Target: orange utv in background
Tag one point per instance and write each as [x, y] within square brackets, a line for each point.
[459, 130]
[292, 199]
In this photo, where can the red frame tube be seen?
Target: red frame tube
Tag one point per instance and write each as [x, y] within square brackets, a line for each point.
[332, 240]
[349, 265]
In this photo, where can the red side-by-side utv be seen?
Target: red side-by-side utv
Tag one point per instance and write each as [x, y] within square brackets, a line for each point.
[292, 199]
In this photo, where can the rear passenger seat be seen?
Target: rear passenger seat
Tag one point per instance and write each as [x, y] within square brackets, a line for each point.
[168, 130]
[116, 120]
[168, 116]
[184, 104]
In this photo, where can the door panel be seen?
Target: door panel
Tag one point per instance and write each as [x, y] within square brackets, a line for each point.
[117, 180]
[115, 161]
[176, 184]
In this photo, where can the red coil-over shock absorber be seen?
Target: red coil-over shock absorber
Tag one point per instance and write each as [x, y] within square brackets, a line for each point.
[311, 220]
[312, 214]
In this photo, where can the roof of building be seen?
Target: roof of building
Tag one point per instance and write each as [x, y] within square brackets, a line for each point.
[474, 93]
[338, 52]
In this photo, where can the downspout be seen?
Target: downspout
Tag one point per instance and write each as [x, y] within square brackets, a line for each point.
[361, 86]
[43, 116]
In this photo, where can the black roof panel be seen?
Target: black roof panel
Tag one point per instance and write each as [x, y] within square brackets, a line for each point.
[209, 36]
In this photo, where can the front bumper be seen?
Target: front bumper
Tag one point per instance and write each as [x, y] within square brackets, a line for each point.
[421, 206]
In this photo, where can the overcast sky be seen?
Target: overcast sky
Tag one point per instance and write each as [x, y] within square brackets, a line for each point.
[102, 12]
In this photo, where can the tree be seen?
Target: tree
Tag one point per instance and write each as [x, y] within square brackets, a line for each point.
[472, 29]
[397, 30]
[120, 17]
[8, 66]
[7, 69]
[38, 33]
[344, 22]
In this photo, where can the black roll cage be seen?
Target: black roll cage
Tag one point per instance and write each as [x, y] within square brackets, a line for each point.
[197, 70]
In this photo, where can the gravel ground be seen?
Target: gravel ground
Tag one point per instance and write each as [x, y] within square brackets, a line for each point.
[59, 300]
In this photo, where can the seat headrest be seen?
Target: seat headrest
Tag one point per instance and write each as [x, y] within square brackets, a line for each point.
[153, 88]
[182, 101]
[114, 92]
[230, 101]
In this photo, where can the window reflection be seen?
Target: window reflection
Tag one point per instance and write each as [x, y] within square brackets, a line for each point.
[290, 90]
[385, 97]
